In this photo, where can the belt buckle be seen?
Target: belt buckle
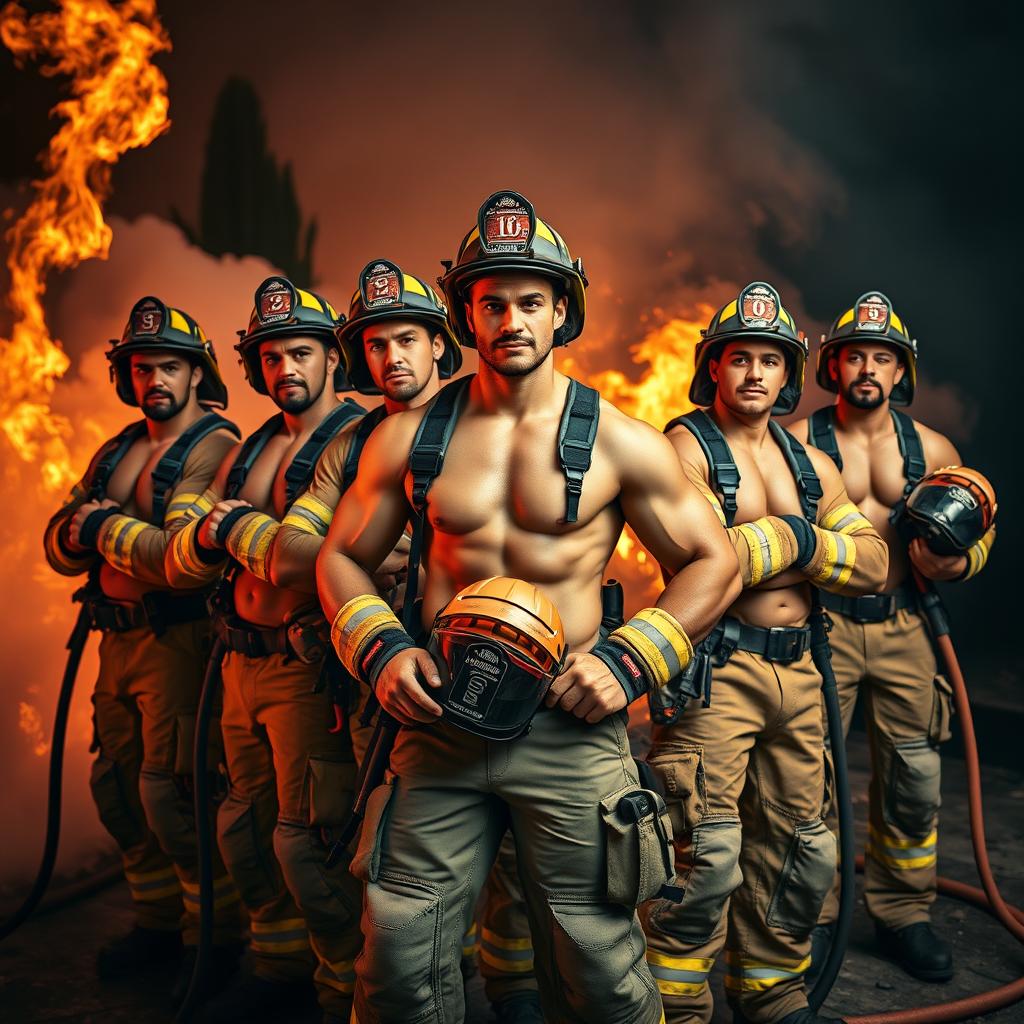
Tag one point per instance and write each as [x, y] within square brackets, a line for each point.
[874, 608]
[783, 644]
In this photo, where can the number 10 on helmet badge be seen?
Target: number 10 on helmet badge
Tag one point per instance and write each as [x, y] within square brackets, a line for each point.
[507, 224]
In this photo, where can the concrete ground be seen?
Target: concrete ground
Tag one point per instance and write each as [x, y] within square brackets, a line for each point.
[46, 968]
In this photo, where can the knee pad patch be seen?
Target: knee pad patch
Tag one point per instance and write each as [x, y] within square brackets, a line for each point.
[712, 878]
[168, 814]
[244, 831]
[329, 898]
[913, 791]
[117, 812]
[329, 789]
[805, 880]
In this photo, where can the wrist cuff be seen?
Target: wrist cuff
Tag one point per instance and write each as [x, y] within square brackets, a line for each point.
[90, 531]
[225, 526]
[624, 667]
[656, 645]
[805, 543]
[367, 634]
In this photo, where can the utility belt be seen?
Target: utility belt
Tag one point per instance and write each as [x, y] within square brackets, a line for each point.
[871, 608]
[158, 611]
[304, 636]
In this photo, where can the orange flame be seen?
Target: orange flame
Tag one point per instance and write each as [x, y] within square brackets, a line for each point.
[31, 724]
[661, 394]
[118, 102]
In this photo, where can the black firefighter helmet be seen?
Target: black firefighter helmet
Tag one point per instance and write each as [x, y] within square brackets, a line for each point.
[756, 313]
[510, 236]
[872, 319]
[386, 293]
[281, 310]
[154, 326]
[952, 509]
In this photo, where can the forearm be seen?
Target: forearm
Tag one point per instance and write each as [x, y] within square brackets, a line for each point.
[700, 592]
[292, 560]
[249, 538]
[339, 579]
[764, 548]
[58, 552]
[187, 564]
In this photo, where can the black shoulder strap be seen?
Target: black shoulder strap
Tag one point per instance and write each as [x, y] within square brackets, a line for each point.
[299, 474]
[821, 432]
[910, 448]
[168, 470]
[807, 482]
[426, 460]
[725, 476]
[116, 449]
[576, 434]
[359, 438]
[249, 453]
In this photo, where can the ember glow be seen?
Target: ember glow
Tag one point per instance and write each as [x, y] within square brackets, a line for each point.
[661, 394]
[118, 101]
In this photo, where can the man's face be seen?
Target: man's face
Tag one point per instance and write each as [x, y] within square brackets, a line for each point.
[296, 370]
[401, 356]
[513, 318]
[866, 373]
[750, 375]
[162, 383]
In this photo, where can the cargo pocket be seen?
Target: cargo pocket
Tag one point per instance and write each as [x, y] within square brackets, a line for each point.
[366, 860]
[913, 796]
[805, 880]
[638, 837]
[942, 711]
[329, 788]
[116, 812]
[681, 770]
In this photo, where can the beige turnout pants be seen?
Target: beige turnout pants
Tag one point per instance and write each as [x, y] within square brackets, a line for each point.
[430, 837]
[907, 713]
[744, 782]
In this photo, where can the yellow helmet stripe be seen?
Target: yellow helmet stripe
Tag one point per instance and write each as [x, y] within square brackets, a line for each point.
[845, 318]
[308, 299]
[178, 322]
[729, 311]
[410, 284]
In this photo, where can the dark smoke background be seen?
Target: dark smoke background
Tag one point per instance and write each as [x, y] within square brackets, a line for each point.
[681, 149]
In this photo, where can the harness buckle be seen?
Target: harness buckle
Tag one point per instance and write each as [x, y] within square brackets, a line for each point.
[785, 644]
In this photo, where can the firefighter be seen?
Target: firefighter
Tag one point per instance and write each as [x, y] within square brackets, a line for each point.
[517, 472]
[742, 760]
[880, 642]
[290, 773]
[116, 525]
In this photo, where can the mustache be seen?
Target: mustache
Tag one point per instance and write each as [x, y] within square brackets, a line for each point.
[158, 393]
[514, 339]
[292, 382]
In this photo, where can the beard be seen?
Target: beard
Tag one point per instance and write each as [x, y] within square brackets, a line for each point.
[161, 412]
[300, 402]
[521, 364]
[404, 390]
[872, 400]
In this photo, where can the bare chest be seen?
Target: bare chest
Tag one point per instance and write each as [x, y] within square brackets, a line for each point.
[266, 487]
[131, 483]
[872, 473]
[767, 487]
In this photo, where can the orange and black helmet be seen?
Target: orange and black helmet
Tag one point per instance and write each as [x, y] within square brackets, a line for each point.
[756, 313]
[499, 644]
[509, 236]
[386, 293]
[871, 319]
[282, 310]
[155, 326]
[952, 509]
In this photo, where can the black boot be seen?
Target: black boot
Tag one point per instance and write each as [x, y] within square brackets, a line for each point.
[223, 964]
[139, 949]
[251, 999]
[522, 1008]
[918, 950]
[822, 936]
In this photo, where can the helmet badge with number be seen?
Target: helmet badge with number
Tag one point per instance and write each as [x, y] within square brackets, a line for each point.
[507, 224]
[873, 313]
[275, 302]
[147, 318]
[759, 306]
[381, 285]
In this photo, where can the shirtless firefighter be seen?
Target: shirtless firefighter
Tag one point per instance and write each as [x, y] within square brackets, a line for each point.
[530, 477]
[397, 342]
[879, 641]
[744, 767]
[116, 525]
[290, 768]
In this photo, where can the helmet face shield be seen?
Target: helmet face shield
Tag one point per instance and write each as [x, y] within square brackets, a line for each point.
[499, 645]
[951, 509]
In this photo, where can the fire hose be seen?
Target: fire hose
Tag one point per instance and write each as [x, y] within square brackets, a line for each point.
[987, 898]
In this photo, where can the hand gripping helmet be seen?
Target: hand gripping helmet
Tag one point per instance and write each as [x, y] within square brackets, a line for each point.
[499, 644]
[152, 326]
[756, 313]
[385, 293]
[281, 310]
[872, 318]
[510, 236]
[952, 509]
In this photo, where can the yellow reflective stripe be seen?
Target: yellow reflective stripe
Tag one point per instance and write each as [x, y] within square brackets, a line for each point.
[151, 886]
[310, 515]
[355, 625]
[270, 927]
[658, 641]
[647, 651]
[500, 963]
[272, 948]
[896, 322]
[223, 885]
[179, 507]
[253, 542]
[679, 988]
[184, 557]
[669, 630]
[410, 284]
[845, 318]
[307, 299]
[545, 232]
[117, 538]
[728, 311]
[744, 975]
[839, 558]
[903, 854]
[680, 963]
[341, 976]
[847, 518]
[61, 559]
[501, 941]
[977, 554]
[178, 322]
[762, 541]
[285, 936]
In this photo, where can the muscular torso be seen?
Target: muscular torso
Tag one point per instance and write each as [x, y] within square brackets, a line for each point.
[256, 600]
[498, 508]
[131, 486]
